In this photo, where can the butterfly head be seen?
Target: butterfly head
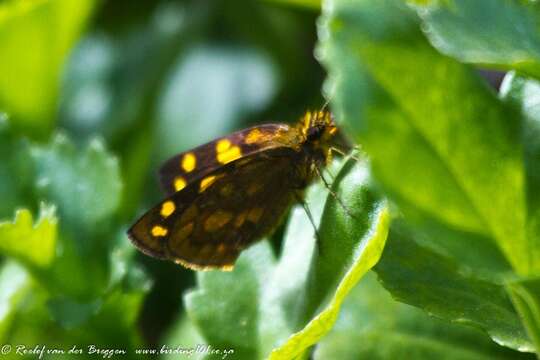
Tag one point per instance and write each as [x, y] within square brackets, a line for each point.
[318, 127]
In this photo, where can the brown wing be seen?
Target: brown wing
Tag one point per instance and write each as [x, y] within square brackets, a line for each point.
[195, 164]
[208, 224]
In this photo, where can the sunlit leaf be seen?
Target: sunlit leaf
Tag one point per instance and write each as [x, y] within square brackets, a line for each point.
[35, 37]
[441, 143]
[525, 94]
[526, 298]
[14, 285]
[32, 244]
[366, 255]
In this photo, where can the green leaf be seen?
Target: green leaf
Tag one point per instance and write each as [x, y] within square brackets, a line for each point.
[525, 294]
[257, 307]
[335, 258]
[14, 285]
[272, 289]
[367, 253]
[423, 278]
[225, 306]
[111, 324]
[70, 313]
[351, 242]
[124, 307]
[35, 37]
[452, 142]
[84, 184]
[526, 297]
[348, 247]
[105, 318]
[32, 245]
[373, 326]
[15, 170]
[283, 297]
[312, 4]
[497, 33]
[523, 93]
[480, 255]
[183, 335]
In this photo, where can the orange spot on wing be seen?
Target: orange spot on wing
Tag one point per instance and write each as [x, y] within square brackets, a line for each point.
[206, 182]
[217, 220]
[226, 152]
[229, 155]
[255, 214]
[254, 136]
[240, 219]
[189, 162]
[158, 231]
[179, 183]
[221, 248]
[167, 208]
[223, 145]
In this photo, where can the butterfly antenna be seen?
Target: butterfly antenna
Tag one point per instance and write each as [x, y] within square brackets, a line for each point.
[325, 105]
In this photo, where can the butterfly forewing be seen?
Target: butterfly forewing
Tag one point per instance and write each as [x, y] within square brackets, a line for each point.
[208, 223]
[185, 168]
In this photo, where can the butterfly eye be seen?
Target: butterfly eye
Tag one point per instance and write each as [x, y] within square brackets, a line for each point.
[314, 133]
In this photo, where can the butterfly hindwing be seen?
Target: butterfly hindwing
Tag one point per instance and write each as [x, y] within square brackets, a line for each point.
[187, 167]
[208, 223]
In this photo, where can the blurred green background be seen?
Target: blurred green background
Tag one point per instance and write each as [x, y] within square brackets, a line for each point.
[94, 95]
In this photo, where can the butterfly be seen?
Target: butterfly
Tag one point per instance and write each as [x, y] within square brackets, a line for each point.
[225, 195]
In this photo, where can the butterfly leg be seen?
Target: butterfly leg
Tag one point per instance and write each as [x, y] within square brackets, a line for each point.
[333, 193]
[301, 200]
[344, 154]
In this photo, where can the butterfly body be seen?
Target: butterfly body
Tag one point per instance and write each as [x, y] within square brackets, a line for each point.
[229, 193]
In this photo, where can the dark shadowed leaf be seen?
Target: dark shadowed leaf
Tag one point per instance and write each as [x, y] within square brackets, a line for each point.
[373, 326]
